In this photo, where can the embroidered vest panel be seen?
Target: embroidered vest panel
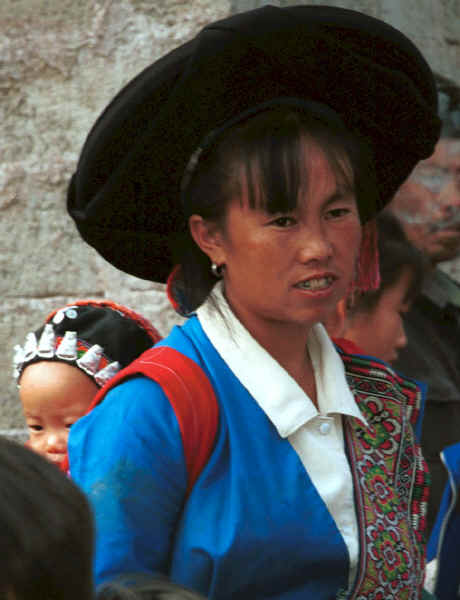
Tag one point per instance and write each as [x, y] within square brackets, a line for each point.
[390, 480]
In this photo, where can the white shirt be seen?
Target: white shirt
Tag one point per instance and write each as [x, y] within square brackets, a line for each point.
[316, 435]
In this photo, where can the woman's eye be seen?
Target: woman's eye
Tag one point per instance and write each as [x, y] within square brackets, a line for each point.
[283, 221]
[336, 213]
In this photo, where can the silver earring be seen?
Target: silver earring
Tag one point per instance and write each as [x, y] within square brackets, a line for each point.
[217, 270]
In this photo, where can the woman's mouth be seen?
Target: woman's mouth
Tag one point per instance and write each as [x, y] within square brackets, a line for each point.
[316, 283]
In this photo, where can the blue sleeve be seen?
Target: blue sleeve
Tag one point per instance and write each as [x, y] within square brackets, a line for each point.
[127, 456]
[421, 415]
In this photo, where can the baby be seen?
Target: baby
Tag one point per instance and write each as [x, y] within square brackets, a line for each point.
[65, 362]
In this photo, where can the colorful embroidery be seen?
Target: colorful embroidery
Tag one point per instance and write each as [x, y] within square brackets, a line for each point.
[391, 482]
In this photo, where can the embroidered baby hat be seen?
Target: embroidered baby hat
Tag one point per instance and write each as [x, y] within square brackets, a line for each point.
[98, 337]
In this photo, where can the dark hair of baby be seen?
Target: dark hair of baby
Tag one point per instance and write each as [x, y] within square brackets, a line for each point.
[264, 155]
[396, 253]
[142, 586]
[46, 541]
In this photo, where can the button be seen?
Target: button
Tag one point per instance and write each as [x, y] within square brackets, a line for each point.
[325, 425]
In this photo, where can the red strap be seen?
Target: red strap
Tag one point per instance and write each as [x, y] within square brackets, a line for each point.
[348, 346]
[191, 395]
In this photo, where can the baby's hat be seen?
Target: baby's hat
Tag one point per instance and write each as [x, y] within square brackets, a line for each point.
[98, 337]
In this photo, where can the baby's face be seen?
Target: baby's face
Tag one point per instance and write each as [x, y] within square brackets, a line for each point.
[53, 395]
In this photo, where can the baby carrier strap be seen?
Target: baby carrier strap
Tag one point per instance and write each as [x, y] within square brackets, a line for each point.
[190, 394]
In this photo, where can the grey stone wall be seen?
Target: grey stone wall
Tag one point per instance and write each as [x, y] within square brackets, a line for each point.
[61, 61]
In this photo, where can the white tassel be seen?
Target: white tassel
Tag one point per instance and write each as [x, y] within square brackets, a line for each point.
[18, 360]
[30, 347]
[89, 362]
[107, 373]
[67, 349]
[47, 342]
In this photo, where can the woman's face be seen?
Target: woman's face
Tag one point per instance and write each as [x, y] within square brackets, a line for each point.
[288, 270]
[54, 395]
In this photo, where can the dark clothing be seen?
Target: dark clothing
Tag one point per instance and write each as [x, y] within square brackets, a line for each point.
[444, 540]
[433, 355]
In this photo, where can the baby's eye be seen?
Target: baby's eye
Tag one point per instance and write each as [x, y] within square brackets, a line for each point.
[69, 425]
[35, 427]
[283, 221]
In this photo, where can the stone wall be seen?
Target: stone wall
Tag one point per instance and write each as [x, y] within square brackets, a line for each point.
[60, 63]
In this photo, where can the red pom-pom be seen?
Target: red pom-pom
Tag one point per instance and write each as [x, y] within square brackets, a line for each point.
[367, 270]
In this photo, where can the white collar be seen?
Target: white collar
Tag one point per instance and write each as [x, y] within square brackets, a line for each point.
[277, 393]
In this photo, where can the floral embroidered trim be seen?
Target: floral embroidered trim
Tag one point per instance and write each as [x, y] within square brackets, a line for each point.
[391, 482]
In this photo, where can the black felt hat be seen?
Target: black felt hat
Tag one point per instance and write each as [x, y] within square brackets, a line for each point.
[125, 194]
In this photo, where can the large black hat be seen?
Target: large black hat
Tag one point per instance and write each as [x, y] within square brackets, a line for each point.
[125, 194]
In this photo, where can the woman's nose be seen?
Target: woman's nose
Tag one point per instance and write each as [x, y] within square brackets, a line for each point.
[314, 245]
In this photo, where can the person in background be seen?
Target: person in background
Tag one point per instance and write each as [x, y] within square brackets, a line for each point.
[443, 573]
[46, 541]
[428, 207]
[247, 166]
[62, 366]
[373, 320]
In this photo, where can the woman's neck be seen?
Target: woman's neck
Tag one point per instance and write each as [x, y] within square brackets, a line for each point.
[288, 346]
[285, 342]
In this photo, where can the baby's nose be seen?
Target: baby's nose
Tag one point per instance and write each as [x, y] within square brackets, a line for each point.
[56, 441]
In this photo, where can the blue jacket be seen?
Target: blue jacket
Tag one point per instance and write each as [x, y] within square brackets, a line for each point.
[253, 525]
[444, 543]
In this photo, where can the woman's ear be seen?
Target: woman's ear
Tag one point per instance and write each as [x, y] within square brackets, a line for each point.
[208, 237]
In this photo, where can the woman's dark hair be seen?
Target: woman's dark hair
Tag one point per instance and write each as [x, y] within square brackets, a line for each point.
[265, 156]
[142, 586]
[46, 540]
[396, 253]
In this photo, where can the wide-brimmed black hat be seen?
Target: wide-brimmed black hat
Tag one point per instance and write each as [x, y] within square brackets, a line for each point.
[125, 195]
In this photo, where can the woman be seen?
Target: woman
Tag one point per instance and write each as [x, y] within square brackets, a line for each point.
[254, 154]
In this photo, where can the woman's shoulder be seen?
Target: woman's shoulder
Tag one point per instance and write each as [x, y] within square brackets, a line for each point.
[358, 364]
[165, 385]
[136, 402]
[370, 378]
[141, 383]
[188, 338]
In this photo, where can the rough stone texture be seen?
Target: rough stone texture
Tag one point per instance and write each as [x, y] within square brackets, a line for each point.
[61, 61]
